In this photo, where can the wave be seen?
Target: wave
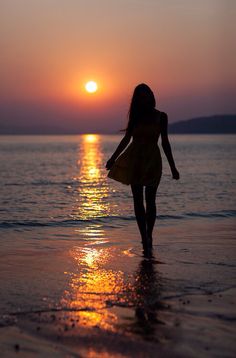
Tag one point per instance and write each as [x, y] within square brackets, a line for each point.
[41, 183]
[112, 221]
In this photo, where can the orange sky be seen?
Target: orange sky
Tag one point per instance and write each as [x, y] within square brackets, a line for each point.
[50, 48]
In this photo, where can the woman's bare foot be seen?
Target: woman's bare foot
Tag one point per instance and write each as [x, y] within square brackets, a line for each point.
[147, 247]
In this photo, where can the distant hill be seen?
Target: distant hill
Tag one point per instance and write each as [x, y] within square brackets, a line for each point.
[219, 124]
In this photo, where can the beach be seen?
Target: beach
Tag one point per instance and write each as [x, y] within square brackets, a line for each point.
[98, 98]
[74, 280]
[111, 301]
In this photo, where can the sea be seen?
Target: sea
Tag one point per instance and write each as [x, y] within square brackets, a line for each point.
[69, 242]
[61, 181]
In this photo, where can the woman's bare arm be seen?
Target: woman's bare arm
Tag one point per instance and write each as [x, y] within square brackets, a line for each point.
[166, 145]
[123, 144]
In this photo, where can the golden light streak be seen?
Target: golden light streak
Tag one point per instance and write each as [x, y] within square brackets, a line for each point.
[92, 188]
[91, 283]
[91, 287]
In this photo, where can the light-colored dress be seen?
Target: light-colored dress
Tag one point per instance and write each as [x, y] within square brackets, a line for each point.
[141, 162]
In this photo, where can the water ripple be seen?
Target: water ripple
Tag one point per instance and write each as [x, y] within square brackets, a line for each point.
[113, 219]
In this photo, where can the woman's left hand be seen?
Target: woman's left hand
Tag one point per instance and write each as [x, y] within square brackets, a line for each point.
[109, 164]
[175, 174]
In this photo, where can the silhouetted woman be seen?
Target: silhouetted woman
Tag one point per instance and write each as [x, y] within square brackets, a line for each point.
[140, 165]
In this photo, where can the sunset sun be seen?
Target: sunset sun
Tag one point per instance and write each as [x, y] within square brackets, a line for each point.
[91, 86]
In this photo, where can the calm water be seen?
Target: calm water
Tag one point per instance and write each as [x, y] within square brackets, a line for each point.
[70, 244]
[61, 181]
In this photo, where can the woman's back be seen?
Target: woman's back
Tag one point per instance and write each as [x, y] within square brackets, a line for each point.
[148, 130]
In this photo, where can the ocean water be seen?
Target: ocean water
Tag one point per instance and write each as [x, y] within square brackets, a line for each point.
[69, 240]
[62, 181]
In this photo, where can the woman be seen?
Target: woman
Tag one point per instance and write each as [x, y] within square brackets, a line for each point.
[140, 165]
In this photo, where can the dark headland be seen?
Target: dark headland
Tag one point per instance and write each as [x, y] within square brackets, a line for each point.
[218, 124]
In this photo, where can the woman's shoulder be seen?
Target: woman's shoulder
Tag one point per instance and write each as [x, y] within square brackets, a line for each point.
[160, 115]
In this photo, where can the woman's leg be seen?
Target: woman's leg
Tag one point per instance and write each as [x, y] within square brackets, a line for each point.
[139, 210]
[150, 197]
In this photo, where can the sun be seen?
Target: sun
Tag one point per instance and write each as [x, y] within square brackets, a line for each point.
[91, 86]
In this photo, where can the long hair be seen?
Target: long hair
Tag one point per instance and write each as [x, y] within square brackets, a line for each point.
[138, 108]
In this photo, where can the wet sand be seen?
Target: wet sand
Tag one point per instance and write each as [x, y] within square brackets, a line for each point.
[94, 294]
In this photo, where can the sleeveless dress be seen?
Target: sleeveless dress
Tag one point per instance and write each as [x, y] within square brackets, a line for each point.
[141, 162]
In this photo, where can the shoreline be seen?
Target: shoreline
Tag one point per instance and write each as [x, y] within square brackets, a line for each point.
[101, 297]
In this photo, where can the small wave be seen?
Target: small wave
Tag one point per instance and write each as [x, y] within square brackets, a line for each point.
[111, 221]
[62, 223]
[215, 214]
[41, 183]
[221, 264]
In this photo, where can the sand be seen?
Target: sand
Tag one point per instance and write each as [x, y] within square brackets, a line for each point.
[64, 296]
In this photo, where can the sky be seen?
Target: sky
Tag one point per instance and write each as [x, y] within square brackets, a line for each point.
[184, 50]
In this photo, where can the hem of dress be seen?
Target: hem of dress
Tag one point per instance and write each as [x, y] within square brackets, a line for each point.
[136, 183]
[119, 181]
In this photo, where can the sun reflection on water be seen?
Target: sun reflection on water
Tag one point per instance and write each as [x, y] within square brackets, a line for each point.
[92, 189]
[91, 284]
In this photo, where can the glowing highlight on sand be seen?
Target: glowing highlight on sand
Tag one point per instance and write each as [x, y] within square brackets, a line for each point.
[92, 287]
